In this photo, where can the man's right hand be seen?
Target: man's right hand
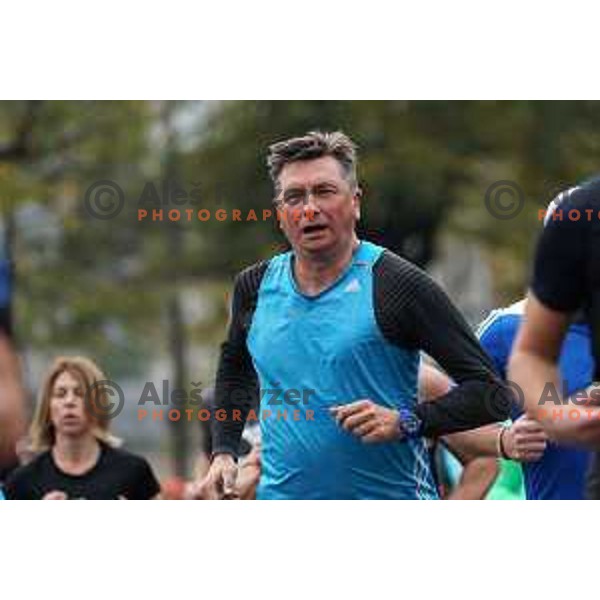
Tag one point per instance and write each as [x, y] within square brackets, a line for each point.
[219, 483]
[525, 440]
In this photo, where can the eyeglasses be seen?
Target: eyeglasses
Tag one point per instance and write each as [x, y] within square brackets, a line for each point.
[321, 193]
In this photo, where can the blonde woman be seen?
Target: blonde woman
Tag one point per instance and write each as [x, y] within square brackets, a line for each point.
[78, 458]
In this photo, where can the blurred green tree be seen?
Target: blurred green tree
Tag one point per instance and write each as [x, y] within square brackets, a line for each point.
[425, 167]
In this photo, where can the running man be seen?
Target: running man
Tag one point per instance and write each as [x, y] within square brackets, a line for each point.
[566, 279]
[345, 321]
[551, 471]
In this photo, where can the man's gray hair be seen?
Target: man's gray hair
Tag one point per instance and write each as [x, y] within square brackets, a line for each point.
[315, 144]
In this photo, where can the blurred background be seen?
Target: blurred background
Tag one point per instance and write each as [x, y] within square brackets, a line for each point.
[147, 300]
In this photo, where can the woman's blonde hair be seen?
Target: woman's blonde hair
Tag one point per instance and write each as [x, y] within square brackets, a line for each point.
[41, 432]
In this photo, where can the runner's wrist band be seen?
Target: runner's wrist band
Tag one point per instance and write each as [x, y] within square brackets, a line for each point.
[500, 451]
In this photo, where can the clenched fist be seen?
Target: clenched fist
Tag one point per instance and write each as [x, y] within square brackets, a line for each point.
[369, 421]
[525, 440]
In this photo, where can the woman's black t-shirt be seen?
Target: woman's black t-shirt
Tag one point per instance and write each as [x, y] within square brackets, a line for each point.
[116, 474]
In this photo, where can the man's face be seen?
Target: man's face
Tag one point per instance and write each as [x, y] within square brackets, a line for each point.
[329, 218]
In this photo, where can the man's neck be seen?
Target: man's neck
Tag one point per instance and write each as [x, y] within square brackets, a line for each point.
[76, 455]
[316, 273]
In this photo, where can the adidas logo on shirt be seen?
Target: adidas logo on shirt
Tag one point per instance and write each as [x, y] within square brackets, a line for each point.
[353, 286]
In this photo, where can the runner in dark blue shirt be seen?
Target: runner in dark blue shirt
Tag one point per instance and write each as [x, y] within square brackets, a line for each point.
[559, 474]
[566, 279]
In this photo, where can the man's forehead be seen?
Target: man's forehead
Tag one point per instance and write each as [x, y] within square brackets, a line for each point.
[306, 172]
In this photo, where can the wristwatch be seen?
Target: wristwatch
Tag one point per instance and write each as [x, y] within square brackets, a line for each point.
[409, 424]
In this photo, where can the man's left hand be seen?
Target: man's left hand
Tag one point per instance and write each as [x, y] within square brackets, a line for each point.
[370, 422]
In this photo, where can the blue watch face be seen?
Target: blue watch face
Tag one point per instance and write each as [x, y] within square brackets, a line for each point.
[410, 424]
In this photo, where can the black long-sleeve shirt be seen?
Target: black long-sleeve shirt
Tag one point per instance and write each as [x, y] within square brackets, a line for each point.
[412, 312]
